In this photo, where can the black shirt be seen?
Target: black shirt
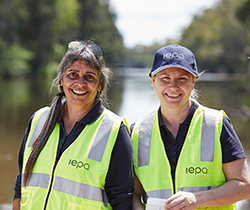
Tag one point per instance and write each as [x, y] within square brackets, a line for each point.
[119, 180]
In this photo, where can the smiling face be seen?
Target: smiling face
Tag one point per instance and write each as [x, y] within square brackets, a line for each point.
[80, 84]
[173, 87]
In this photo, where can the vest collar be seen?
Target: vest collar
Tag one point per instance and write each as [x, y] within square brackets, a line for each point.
[188, 119]
[91, 116]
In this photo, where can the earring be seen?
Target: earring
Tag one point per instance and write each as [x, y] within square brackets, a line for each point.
[99, 93]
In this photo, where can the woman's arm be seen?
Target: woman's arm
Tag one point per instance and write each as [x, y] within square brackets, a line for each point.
[120, 177]
[16, 204]
[235, 189]
[137, 204]
[17, 188]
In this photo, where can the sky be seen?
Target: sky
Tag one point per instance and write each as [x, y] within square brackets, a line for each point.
[148, 21]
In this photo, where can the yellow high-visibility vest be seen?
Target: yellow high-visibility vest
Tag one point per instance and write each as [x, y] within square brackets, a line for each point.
[78, 179]
[199, 165]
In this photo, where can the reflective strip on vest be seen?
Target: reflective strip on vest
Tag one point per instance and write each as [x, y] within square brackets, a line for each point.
[144, 139]
[80, 190]
[101, 139]
[196, 189]
[38, 180]
[39, 126]
[159, 193]
[69, 187]
[207, 137]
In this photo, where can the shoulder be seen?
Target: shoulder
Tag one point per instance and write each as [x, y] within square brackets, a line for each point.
[124, 131]
[28, 128]
[123, 146]
[37, 114]
[232, 148]
[145, 119]
[41, 113]
[212, 112]
[112, 114]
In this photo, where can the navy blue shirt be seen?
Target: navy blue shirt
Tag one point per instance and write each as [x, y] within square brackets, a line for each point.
[119, 180]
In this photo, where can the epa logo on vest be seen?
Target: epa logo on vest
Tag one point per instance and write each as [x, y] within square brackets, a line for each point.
[196, 170]
[79, 164]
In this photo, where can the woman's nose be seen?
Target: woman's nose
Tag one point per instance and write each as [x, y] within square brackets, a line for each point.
[174, 84]
[81, 81]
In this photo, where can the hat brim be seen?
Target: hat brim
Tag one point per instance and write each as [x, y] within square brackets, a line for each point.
[170, 66]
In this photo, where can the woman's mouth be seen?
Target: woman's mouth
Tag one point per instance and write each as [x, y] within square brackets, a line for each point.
[78, 92]
[172, 95]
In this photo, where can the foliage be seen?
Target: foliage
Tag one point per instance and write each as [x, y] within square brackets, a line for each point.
[243, 15]
[217, 39]
[34, 35]
[242, 12]
[98, 23]
[44, 27]
[14, 60]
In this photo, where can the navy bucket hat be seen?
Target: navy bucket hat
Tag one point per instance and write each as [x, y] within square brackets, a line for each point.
[174, 56]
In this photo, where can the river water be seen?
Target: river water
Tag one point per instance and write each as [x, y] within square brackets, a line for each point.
[131, 96]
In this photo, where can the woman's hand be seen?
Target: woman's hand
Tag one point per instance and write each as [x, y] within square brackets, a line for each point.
[182, 200]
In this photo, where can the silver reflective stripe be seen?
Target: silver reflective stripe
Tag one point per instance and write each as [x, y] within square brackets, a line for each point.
[80, 190]
[101, 139]
[159, 194]
[39, 126]
[144, 139]
[38, 180]
[196, 189]
[208, 135]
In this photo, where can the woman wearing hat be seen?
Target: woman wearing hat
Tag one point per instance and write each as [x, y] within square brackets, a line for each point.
[76, 154]
[184, 152]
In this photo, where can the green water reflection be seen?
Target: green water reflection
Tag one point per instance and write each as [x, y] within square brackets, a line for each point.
[20, 98]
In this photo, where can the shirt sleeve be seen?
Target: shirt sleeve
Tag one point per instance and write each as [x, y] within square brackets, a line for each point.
[120, 176]
[231, 146]
[17, 187]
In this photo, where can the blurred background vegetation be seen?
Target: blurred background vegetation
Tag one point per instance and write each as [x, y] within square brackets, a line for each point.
[33, 39]
[34, 34]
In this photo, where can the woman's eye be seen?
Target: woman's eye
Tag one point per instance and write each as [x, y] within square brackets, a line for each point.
[71, 74]
[89, 77]
[183, 78]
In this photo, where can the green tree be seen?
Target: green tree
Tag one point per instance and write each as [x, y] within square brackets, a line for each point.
[39, 30]
[97, 22]
[243, 15]
[242, 12]
[28, 26]
[218, 39]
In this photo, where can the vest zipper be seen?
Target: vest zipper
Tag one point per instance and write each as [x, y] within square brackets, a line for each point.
[173, 183]
[58, 156]
[50, 187]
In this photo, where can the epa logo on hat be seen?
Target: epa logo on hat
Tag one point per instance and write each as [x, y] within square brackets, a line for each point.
[174, 55]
